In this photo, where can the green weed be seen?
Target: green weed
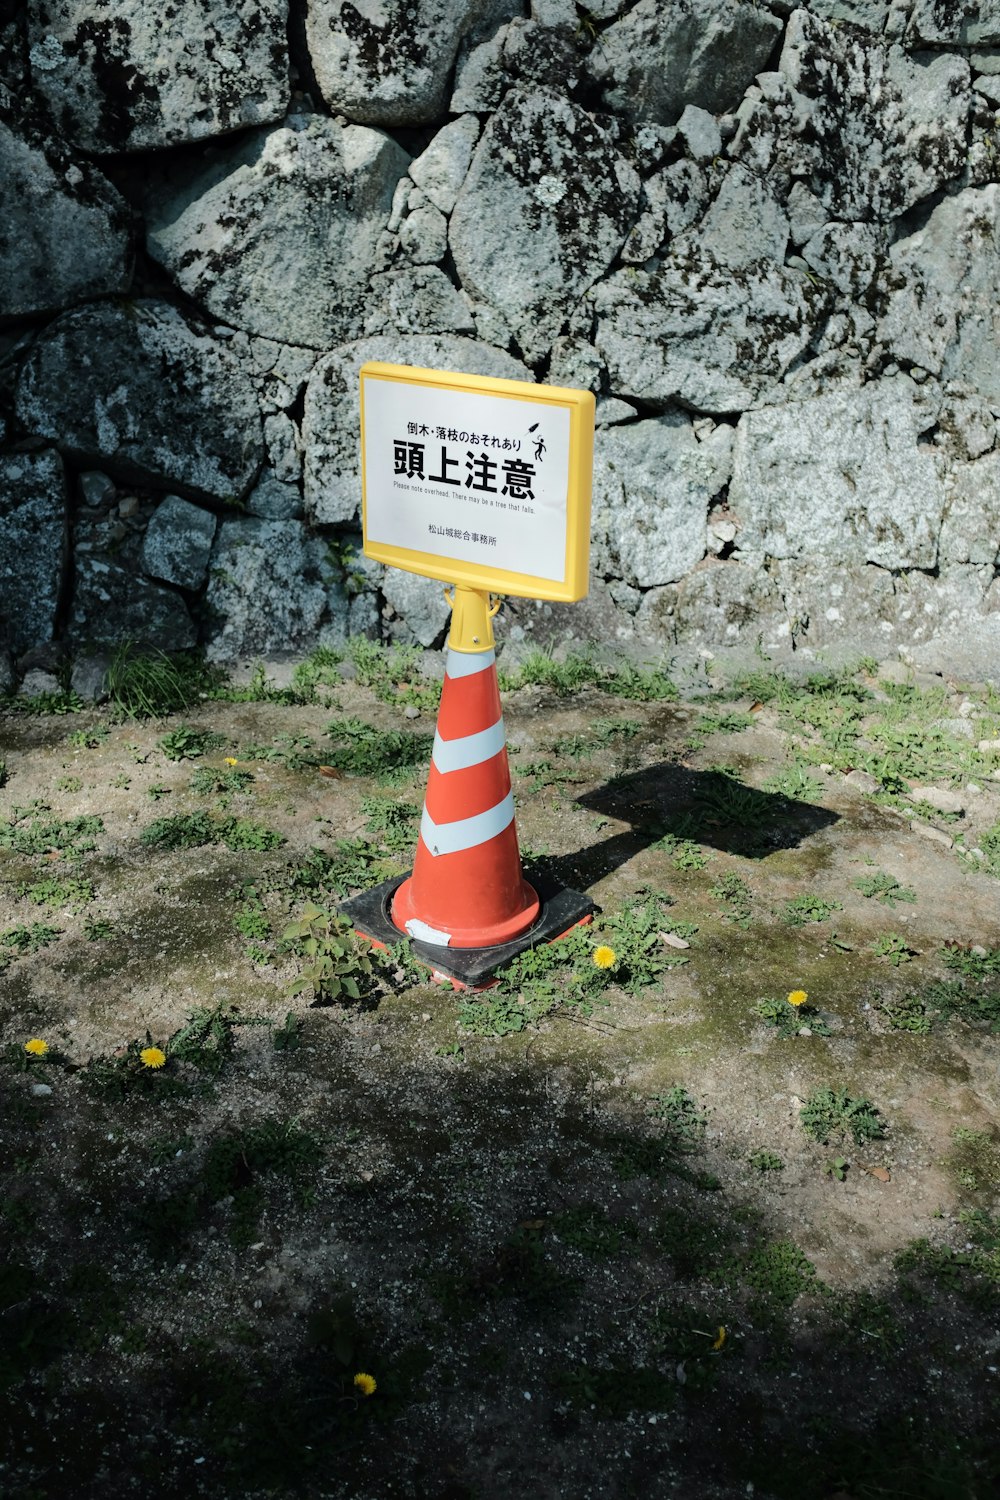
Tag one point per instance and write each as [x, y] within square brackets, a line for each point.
[989, 843]
[835, 1112]
[209, 781]
[884, 888]
[293, 751]
[906, 1013]
[636, 935]
[778, 1273]
[533, 985]
[63, 701]
[588, 1229]
[805, 908]
[90, 739]
[546, 773]
[766, 1161]
[709, 724]
[335, 966]
[16, 942]
[260, 690]
[734, 894]
[252, 923]
[70, 892]
[579, 670]
[188, 743]
[974, 1270]
[796, 783]
[682, 1123]
[28, 832]
[975, 1158]
[96, 929]
[192, 830]
[353, 865]
[894, 947]
[684, 854]
[321, 668]
[790, 1019]
[207, 1038]
[67, 784]
[975, 1006]
[393, 673]
[724, 799]
[288, 1036]
[391, 822]
[149, 684]
[974, 963]
[362, 750]
[124, 1074]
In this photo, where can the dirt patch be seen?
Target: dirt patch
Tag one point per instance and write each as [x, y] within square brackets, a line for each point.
[576, 1233]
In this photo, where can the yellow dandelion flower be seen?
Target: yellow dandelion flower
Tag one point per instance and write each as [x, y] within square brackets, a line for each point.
[604, 956]
[36, 1047]
[366, 1384]
[720, 1338]
[152, 1057]
[231, 760]
[797, 998]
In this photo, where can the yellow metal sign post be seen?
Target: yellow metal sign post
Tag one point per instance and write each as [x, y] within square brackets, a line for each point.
[484, 484]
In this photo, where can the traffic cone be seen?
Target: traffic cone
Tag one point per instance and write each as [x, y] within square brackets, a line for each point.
[466, 889]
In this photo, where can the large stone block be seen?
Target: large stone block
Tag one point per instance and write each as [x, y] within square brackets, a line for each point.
[178, 542]
[416, 299]
[112, 604]
[388, 62]
[954, 23]
[279, 236]
[332, 416]
[121, 75]
[720, 603]
[970, 532]
[33, 549]
[653, 483]
[943, 289]
[136, 389]
[544, 210]
[714, 336]
[268, 588]
[441, 167]
[64, 230]
[421, 611]
[659, 58]
[872, 128]
[840, 476]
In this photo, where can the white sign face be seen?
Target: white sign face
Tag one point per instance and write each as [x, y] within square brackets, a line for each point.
[472, 476]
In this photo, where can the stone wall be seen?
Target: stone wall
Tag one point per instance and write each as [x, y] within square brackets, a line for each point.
[766, 236]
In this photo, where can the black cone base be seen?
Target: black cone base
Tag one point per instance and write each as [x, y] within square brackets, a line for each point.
[471, 968]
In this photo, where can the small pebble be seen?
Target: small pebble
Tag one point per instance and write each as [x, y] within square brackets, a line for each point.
[40, 1090]
[411, 712]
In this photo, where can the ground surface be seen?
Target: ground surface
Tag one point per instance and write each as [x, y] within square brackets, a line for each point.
[576, 1228]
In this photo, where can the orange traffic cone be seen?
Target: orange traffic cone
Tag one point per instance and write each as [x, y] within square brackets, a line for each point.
[466, 889]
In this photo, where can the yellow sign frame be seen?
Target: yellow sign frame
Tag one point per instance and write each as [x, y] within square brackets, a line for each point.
[580, 406]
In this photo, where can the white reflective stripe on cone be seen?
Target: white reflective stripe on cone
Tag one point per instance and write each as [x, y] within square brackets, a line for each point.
[469, 749]
[466, 833]
[468, 663]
